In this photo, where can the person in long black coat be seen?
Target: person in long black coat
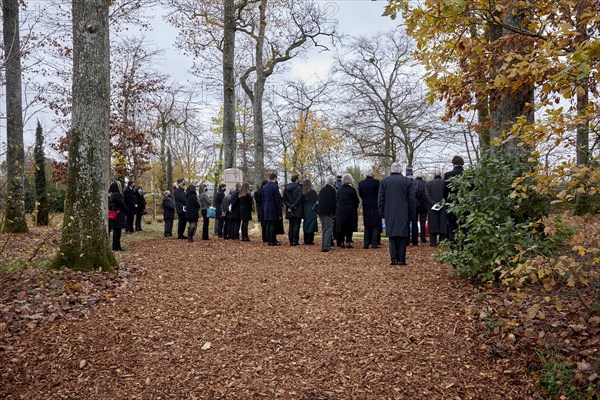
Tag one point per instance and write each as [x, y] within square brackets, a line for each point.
[235, 219]
[116, 203]
[346, 216]
[246, 209]
[272, 205]
[141, 208]
[218, 202]
[131, 203]
[292, 198]
[396, 205]
[260, 210]
[420, 218]
[457, 164]
[368, 190]
[180, 201]
[309, 216]
[326, 208]
[225, 214]
[434, 192]
[168, 213]
[192, 211]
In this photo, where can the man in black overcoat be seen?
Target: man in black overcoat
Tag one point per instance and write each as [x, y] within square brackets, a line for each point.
[397, 206]
[292, 198]
[457, 164]
[131, 203]
[326, 209]
[420, 219]
[180, 200]
[218, 202]
[368, 190]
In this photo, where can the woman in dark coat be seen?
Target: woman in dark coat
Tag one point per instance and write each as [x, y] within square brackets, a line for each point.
[434, 193]
[141, 208]
[272, 206]
[235, 219]
[168, 213]
[116, 203]
[346, 217]
[204, 201]
[246, 209]
[309, 216]
[192, 211]
[258, 199]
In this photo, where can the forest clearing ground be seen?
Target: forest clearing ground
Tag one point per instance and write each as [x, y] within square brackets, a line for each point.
[237, 320]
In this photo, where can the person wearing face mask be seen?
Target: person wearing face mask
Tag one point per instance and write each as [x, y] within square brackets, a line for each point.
[168, 213]
[204, 205]
[141, 208]
[180, 201]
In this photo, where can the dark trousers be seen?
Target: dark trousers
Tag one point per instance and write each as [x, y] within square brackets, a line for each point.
[419, 222]
[138, 219]
[219, 223]
[327, 229]
[271, 227]
[181, 225]
[343, 237]
[245, 223]
[452, 227]
[433, 238]
[372, 236]
[263, 231]
[309, 238]
[130, 218]
[234, 228]
[294, 230]
[398, 249]
[205, 225]
[116, 243]
[168, 227]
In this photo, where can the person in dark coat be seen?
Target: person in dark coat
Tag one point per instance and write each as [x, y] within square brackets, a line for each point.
[225, 214]
[420, 218]
[368, 189]
[326, 209]
[131, 203]
[246, 209]
[258, 199]
[218, 202]
[309, 216]
[204, 201]
[396, 205]
[141, 208]
[180, 200]
[434, 193]
[346, 216]
[168, 213]
[457, 164]
[272, 205]
[192, 211]
[116, 203]
[292, 198]
[235, 219]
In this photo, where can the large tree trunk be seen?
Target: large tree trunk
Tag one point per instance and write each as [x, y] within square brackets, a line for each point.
[229, 134]
[14, 218]
[84, 243]
[259, 89]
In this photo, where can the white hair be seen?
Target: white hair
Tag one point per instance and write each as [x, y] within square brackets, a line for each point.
[396, 168]
[368, 172]
[330, 180]
[347, 179]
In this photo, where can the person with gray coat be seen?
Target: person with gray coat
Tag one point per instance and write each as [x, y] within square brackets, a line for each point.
[396, 205]
[204, 206]
[434, 192]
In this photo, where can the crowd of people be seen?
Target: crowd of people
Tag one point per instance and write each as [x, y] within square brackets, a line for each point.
[413, 210]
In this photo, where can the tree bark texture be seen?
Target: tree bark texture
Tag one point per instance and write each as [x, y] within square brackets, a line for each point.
[84, 243]
[14, 217]
[259, 90]
[41, 190]
[229, 134]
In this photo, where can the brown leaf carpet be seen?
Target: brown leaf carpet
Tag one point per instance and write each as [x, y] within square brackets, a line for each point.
[234, 320]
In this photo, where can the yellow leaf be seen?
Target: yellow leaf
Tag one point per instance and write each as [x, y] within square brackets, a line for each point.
[71, 218]
[571, 281]
[558, 304]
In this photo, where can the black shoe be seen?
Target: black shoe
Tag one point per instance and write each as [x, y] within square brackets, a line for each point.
[275, 244]
[376, 246]
[394, 262]
[400, 263]
[349, 246]
[182, 237]
[327, 250]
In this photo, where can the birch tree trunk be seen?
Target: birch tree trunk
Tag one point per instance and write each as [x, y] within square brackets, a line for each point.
[84, 242]
[229, 134]
[14, 218]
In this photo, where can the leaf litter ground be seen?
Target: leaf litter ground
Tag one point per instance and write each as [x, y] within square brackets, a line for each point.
[241, 320]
